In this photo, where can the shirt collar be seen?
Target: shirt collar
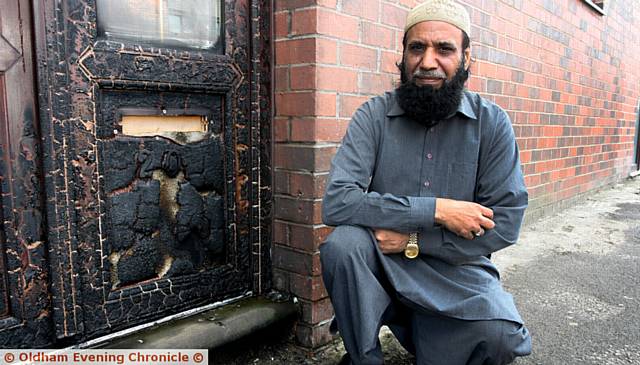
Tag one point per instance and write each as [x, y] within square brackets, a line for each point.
[465, 107]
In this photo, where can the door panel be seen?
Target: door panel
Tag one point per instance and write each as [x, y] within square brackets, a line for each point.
[25, 313]
[153, 145]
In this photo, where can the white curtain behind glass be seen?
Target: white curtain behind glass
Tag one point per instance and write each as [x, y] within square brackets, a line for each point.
[180, 23]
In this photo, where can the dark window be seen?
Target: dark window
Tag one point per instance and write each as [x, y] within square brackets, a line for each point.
[598, 5]
[170, 23]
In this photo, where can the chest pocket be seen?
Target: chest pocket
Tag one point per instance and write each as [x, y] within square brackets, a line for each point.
[461, 181]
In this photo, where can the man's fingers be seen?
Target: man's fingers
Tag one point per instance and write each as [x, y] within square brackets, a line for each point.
[486, 212]
[391, 246]
[380, 234]
[487, 223]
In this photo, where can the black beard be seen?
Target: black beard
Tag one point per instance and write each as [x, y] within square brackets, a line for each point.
[428, 105]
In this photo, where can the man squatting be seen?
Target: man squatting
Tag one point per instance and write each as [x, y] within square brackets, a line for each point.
[425, 186]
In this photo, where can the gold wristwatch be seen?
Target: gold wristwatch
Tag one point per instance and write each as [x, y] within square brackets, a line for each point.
[412, 249]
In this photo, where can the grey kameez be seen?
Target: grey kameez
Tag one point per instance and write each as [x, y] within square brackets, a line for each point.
[388, 173]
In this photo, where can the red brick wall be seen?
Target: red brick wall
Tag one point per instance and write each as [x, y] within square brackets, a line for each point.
[568, 77]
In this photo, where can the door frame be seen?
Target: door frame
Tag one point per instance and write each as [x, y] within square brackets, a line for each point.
[70, 208]
[27, 318]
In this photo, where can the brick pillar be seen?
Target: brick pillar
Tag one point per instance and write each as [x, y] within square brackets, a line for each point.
[330, 57]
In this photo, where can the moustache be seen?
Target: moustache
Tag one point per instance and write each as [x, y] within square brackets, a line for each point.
[431, 74]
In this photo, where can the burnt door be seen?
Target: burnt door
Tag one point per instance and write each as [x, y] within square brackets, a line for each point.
[25, 317]
[156, 159]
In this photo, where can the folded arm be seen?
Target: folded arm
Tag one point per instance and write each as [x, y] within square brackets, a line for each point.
[347, 199]
[501, 197]
[500, 187]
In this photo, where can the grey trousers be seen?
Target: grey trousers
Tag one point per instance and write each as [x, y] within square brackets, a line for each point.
[363, 301]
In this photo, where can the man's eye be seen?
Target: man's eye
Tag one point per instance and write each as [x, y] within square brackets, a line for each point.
[416, 47]
[446, 49]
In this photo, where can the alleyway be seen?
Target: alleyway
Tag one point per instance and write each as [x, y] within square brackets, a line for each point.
[575, 276]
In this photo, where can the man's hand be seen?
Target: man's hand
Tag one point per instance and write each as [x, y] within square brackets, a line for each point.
[466, 219]
[391, 241]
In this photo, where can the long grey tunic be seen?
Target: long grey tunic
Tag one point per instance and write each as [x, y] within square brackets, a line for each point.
[387, 174]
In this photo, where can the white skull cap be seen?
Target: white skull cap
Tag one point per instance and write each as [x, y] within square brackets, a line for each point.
[441, 10]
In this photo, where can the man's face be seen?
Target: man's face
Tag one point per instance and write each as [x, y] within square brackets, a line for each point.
[433, 53]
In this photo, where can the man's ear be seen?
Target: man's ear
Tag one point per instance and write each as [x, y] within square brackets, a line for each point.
[467, 58]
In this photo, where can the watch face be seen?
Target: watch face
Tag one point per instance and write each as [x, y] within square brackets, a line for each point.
[411, 251]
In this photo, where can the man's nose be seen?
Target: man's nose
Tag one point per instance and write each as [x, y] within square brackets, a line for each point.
[429, 60]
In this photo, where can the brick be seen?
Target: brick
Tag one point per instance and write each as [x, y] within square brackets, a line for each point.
[308, 287]
[307, 237]
[377, 35]
[305, 104]
[281, 233]
[313, 336]
[349, 104]
[326, 104]
[388, 62]
[323, 78]
[316, 312]
[281, 129]
[410, 4]
[303, 185]
[303, 129]
[281, 23]
[303, 77]
[281, 280]
[374, 83]
[297, 209]
[338, 25]
[331, 130]
[281, 181]
[295, 104]
[281, 78]
[399, 39]
[306, 50]
[477, 84]
[336, 79]
[394, 15]
[488, 70]
[365, 9]
[294, 261]
[358, 57]
[327, 51]
[292, 51]
[328, 3]
[494, 87]
[318, 129]
[303, 157]
[304, 21]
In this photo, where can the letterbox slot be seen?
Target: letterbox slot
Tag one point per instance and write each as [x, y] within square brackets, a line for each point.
[179, 128]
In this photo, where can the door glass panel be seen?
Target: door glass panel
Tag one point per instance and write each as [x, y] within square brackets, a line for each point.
[167, 23]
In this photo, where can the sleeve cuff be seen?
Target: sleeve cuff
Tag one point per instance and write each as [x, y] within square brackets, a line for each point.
[423, 210]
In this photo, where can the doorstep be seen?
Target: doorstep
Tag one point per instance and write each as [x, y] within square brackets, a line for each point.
[212, 328]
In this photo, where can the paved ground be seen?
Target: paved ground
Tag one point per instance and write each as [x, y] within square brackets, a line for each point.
[575, 277]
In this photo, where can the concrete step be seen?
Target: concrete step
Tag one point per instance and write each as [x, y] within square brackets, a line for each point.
[210, 329]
